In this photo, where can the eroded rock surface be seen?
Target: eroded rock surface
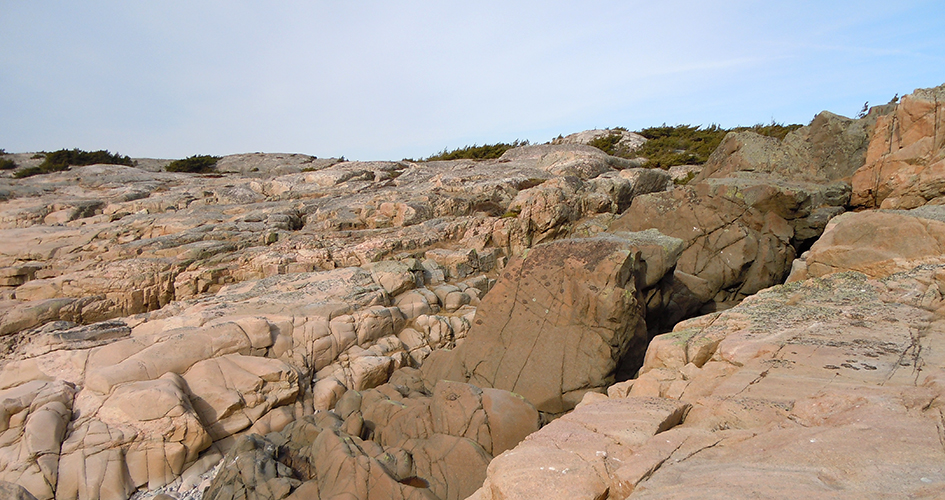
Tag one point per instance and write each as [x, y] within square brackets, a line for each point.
[257, 333]
[172, 315]
[556, 325]
[826, 388]
[906, 157]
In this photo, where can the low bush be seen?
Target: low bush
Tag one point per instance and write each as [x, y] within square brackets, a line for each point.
[7, 164]
[667, 146]
[57, 161]
[197, 164]
[772, 129]
[76, 158]
[608, 143]
[476, 152]
[29, 172]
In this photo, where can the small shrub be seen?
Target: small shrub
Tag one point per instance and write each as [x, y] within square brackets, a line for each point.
[864, 110]
[607, 143]
[685, 180]
[667, 146]
[65, 158]
[7, 164]
[194, 165]
[57, 161]
[476, 152]
[28, 172]
[3, 151]
[772, 129]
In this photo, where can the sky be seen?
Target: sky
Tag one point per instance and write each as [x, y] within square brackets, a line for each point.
[407, 79]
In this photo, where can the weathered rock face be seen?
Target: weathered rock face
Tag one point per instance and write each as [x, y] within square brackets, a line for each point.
[733, 249]
[876, 243]
[121, 240]
[34, 417]
[796, 390]
[15, 492]
[576, 455]
[178, 313]
[271, 165]
[556, 325]
[151, 323]
[830, 148]
[755, 204]
[627, 141]
[906, 159]
[388, 442]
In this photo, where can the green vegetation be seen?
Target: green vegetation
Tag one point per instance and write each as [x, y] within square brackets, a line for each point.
[7, 164]
[685, 180]
[58, 161]
[607, 143]
[772, 129]
[195, 164]
[667, 146]
[476, 152]
[610, 143]
[679, 145]
[28, 172]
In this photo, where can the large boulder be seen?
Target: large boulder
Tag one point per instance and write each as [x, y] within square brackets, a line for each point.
[142, 434]
[556, 325]
[876, 243]
[733, 248]
[906, 158]
[230, 393]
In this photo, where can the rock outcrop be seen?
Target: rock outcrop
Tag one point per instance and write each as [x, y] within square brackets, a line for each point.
[755, 205]
[556, 325]
[830, 148]
[878, 243]
[797, 391]
[389, 442]
[906, 157]
[154, 320]
[625, 141]
[293, 328]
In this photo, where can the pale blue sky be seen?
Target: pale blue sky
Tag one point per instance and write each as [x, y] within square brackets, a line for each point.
[388, 80]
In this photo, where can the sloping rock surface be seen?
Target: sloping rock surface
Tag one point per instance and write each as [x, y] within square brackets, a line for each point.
[556, 325]
[828, 388]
